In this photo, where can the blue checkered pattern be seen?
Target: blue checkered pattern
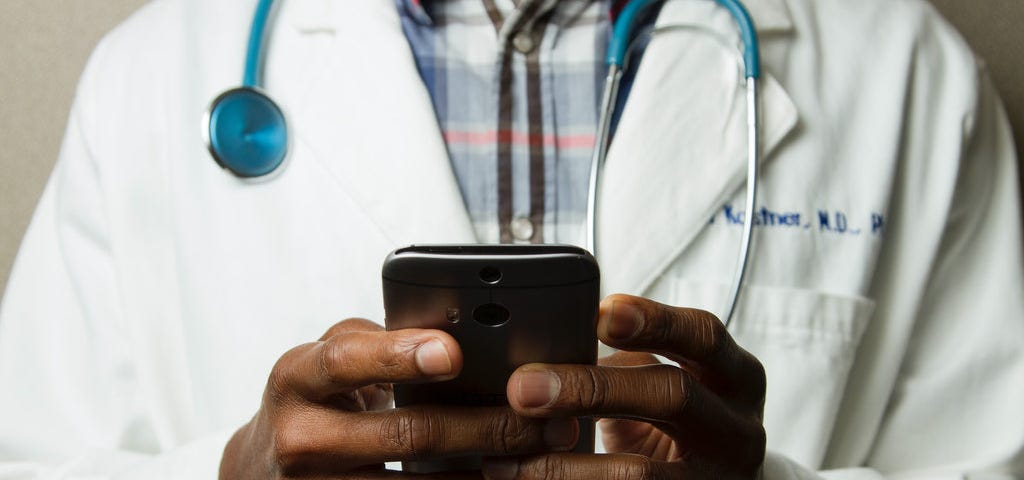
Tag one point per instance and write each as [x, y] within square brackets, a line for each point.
[516, 88]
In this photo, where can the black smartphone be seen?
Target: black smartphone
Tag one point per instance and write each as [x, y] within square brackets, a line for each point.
[506, 305]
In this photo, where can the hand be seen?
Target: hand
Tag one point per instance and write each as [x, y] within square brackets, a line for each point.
[700, 419]
[326, 412]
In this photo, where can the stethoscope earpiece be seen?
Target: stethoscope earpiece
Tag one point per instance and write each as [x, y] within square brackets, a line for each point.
[246, 132]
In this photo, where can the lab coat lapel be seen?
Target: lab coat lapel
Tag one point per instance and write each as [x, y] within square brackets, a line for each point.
[680, 149]
[366, 117]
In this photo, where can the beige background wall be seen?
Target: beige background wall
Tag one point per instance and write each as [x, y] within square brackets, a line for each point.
[45, 44]
[43, 47]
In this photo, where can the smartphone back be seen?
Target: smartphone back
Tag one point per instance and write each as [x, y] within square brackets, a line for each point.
[506, 305]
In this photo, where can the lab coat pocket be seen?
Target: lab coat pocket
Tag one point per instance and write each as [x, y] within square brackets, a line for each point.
[806, 341]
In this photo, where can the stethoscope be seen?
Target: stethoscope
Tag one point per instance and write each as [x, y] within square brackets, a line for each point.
[247, 134]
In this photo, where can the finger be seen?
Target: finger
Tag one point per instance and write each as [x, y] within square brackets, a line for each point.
[637, 359]
[399, 475]
[628, 359]
[379, 473]
[671, 399]
[376, 397]
[695, 338]
[351, 325]
[313, 439]
[636, 436]
[566, 466]
[322, 371]
[371, 397]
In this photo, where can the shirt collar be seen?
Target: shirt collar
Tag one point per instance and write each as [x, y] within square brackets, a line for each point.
[768, 15]
[417, 10]
[314, 15]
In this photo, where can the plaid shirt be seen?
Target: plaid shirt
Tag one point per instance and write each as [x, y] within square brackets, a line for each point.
[516, 88]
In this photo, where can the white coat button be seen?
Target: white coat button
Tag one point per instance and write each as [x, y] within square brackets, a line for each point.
[523, 42]
[521, 228]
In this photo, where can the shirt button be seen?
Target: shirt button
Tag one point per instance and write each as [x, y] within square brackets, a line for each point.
[521, 228]
[523, 42]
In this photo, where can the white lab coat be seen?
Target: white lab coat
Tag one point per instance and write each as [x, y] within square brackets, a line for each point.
[154, 291]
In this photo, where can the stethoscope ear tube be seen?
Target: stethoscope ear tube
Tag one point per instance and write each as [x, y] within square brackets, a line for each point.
[608, 99]
[618, 48]
[254, 49]
[622, 31]
[748, 33]
[753, 163]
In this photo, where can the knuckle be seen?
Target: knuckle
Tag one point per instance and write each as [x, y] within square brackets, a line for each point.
[754, 452]
[760, 442]
[699, 332]
[505, 437]
[337, 329]
[551, 468]
[751, 382]
[590, 389]
[711, 334]
[342, 352]
[759, 379]
[378, 356]
[638, 468]
[390, 433]
[415, 434]
[351, 325]
[685, 386]
[509, 435]
[289, 446]
[279, 382]
[394, 359]
[333, 356]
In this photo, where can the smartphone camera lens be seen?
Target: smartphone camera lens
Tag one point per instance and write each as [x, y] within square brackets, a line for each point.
[491, 315]
[490, 275]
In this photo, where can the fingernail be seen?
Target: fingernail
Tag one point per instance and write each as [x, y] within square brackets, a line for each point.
[432, 359]
[624, 321]
[501, 469]
[538, 389]
[560, 433]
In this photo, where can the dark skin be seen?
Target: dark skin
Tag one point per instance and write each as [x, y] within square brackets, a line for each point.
[326, 412]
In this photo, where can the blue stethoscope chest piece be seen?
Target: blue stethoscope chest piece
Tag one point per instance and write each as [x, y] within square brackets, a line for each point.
[247, 133]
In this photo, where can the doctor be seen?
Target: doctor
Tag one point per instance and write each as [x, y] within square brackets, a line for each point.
[155, 294]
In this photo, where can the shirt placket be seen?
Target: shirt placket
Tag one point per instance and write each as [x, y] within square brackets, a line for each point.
[520, 147]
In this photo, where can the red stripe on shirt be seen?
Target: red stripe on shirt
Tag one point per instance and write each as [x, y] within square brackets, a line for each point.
[519, 138]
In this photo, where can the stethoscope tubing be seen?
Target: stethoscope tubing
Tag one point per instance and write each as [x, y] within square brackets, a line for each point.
[618, 49]
[254, 49]
[601, 144]
[753, 164]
